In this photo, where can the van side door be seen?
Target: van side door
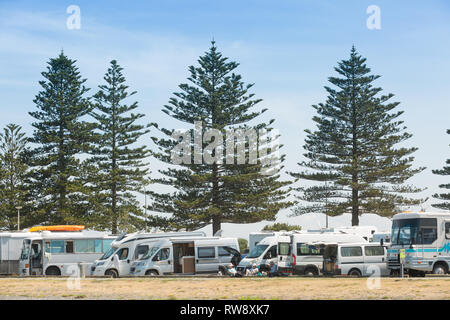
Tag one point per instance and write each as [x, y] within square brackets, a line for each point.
[284, 252]
[206, 260]
[163, 260]
[375, 257]
[351, 257]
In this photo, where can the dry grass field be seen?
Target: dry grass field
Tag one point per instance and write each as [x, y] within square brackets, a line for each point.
[224, 288]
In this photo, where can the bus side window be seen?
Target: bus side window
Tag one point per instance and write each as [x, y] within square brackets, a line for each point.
[69, 246]
[447, 230]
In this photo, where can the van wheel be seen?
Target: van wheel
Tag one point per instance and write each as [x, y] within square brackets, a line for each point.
[151, 273]
[112, 273]
[311, 272]
[354, 273]
[440, 268]
[52, 271]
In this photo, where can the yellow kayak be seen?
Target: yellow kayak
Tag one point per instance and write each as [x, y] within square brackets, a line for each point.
[56, 228]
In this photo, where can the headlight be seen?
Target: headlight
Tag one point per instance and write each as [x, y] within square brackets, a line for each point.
[100, 263]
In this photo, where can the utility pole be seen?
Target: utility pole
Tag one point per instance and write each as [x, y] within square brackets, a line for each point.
[18, 218]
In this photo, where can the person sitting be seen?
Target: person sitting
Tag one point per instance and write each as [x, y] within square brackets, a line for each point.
[273, 270]
[253, 271]
[232, 272]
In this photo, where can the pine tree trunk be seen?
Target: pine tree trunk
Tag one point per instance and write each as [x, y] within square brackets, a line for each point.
[215, 199]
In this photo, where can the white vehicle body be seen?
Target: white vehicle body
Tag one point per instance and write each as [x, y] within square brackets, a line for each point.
[355, 259]
[187, 255]
[264, 252]
[59, 253]
[302, 256]
[128, 248]
[10, 248]
[255, 237]
[425, 237]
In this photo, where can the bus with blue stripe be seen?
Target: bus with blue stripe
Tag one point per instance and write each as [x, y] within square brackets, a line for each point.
[425, 237]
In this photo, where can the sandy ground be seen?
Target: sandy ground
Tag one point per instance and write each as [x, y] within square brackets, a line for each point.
[225, 288]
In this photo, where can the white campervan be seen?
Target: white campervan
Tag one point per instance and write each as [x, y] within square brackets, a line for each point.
[355, 259]
[302, 256]
[60, 253]
[265, 251]
[128, 248]
[187, 255]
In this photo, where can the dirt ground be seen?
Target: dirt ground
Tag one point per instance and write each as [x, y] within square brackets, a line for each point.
[225, 288]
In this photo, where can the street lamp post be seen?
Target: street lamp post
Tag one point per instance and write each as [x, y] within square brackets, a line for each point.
[18, 218]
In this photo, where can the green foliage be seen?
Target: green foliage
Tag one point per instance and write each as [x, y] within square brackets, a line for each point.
[61, 136]
[281, 227]
[217, 192]
[352, 153]
[443, 196]
[117, 169]
[13, 177]
[243, 244]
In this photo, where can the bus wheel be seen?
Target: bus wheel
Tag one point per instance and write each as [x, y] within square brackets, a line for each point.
[354, 273]
[440, 268]
[151, 273]
[311, 272]
[111, 272]
[52, 271]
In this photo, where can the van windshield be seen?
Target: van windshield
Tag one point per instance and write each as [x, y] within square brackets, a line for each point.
[108, 253]
[149, 253]
[257, 251]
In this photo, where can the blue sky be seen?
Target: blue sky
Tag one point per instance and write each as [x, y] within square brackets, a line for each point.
[287, 48]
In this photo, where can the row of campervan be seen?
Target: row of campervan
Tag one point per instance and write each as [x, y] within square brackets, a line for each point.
[98, 253]
[423, 237]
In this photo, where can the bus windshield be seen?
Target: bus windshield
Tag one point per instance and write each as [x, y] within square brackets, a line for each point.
[25, 250]
[257, 251]
[149, 253]
[414, 231]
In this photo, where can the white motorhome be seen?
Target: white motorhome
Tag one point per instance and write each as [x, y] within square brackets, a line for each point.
[255, 237]
[128, 248]
[58, 253]
[425, 237]
[188, 255]
[355, 259]
[301, 256]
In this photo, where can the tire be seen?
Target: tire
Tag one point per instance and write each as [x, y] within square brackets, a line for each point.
[52, 271]
[440, 268]
[355, 273]
[151, 273]
[311, 272]
[111, 272]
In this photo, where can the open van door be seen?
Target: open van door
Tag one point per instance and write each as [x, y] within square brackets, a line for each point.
[284, 253]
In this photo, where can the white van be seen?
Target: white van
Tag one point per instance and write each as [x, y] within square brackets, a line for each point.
[129, 247]
[264, 252]
[188, 255]
[301, 257]
[355, 259]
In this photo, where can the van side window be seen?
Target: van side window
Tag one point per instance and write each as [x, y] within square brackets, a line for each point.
[351, 251]
[447, 230]
[206, 252]
[162, 254]
[374, 251]
[123, 253]
[271, 253]
[140, 252]
[223, 252]
[304, 249]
